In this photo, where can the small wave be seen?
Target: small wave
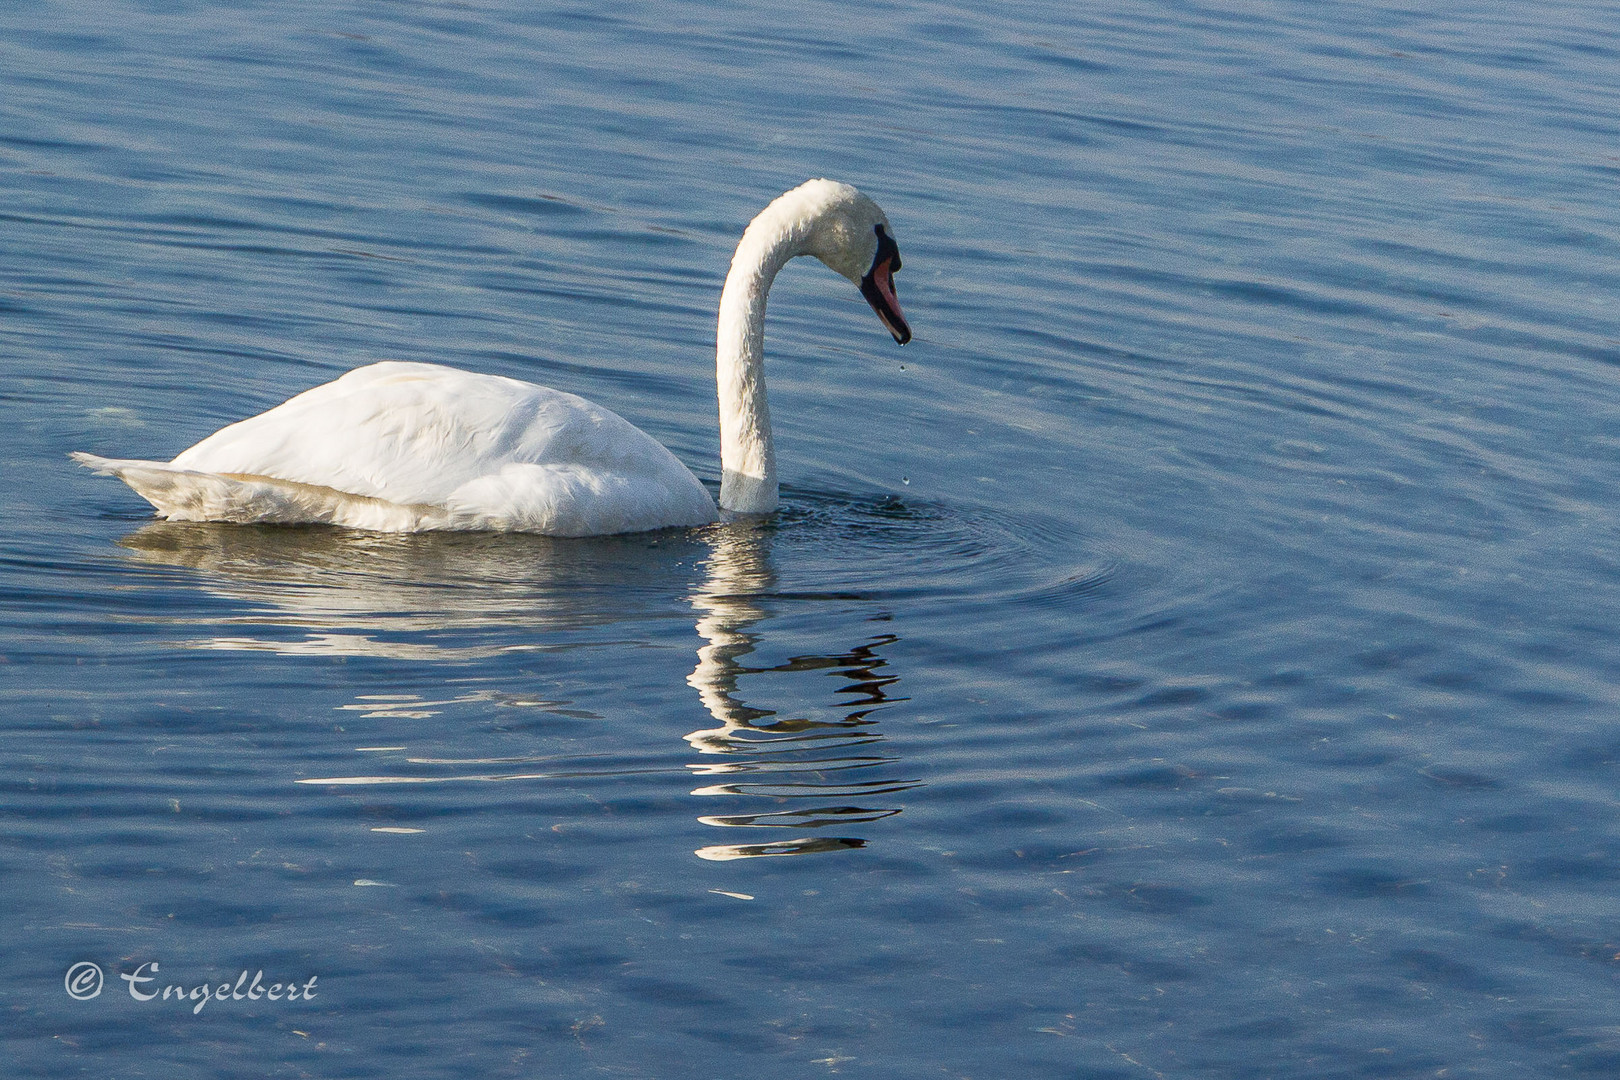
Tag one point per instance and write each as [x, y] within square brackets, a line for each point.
[891, 548]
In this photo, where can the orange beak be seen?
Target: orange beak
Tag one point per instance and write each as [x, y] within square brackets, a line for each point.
[878, 287]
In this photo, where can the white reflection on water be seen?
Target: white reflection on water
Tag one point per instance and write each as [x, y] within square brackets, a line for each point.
[432, 596]
[788, 758]
[455, 597]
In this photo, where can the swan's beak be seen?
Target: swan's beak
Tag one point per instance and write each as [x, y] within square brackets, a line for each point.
[878, 288]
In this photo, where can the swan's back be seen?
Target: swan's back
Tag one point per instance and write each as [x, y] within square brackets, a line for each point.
[405, 447]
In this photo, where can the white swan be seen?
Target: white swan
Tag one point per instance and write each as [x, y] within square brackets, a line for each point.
[405, 447]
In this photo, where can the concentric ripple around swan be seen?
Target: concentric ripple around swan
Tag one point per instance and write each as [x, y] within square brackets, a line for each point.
[889, 547]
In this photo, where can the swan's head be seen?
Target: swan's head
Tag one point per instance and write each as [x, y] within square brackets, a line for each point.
[850, 234]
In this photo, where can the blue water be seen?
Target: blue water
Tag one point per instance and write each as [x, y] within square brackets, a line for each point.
[1192, 656]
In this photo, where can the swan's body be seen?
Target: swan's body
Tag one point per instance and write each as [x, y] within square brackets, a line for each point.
[397, 447]
[409, 447]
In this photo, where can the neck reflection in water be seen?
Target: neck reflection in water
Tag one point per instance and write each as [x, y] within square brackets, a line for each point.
[810, 766]
[472, 598]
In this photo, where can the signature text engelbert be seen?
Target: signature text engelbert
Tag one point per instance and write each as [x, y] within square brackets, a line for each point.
[244, 989]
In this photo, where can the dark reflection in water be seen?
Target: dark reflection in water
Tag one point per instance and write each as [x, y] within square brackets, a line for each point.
[454, 597]
[776, 757]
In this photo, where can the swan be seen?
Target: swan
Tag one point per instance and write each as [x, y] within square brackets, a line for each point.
[410, 447]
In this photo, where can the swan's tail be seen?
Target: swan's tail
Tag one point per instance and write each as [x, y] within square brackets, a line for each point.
[187, 495]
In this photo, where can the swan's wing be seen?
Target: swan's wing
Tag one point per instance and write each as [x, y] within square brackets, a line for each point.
[416, 433]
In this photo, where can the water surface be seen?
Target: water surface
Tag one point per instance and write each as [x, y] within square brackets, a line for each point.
[1192, 656]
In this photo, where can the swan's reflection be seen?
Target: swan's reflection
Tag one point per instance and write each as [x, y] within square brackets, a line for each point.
[781, 758]
[423, 597]
[450, 597]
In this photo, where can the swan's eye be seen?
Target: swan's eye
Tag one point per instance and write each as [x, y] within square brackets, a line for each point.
[887, 251]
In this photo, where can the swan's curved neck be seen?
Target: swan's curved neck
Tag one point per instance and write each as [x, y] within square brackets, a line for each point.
[747, 457]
